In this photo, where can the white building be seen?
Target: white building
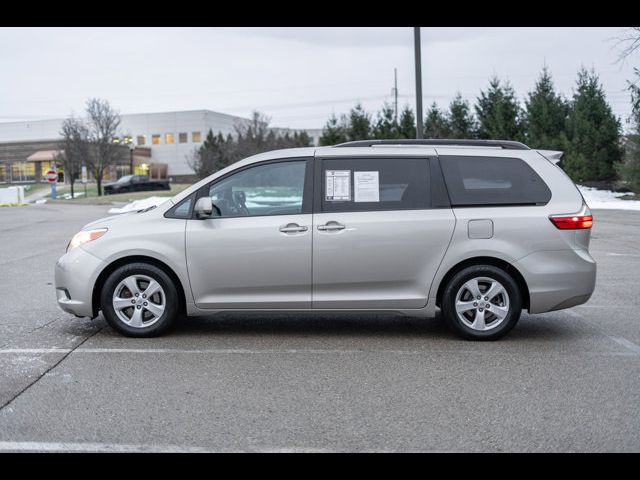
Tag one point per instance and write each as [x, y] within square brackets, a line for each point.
[170, 136]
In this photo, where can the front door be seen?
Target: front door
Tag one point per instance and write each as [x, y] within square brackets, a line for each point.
[377, 241]
[257, 252]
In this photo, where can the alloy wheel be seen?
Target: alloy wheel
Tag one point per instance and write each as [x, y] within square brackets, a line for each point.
[482, 303]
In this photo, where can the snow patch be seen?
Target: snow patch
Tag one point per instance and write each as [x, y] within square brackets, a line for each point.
[607, 199]
[139, 204]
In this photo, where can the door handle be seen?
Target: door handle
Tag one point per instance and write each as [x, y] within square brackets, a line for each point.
[331, 226]
[293, 228]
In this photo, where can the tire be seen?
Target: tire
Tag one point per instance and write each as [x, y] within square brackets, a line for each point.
[474, 321]
[139, 315]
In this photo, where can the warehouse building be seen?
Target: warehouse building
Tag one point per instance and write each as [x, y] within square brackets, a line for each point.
[158, 144]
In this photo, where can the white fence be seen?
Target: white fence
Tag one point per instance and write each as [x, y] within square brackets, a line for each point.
[12, 195]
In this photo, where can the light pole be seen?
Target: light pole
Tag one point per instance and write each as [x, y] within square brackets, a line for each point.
[416, 38]
[129, 142]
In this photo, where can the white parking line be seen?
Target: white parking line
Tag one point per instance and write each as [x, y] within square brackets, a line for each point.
[94, 447]
[242, 351]
[133, 448]
[22, 351]
[629, 345]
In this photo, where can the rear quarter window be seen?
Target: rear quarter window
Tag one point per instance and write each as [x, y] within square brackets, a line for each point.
[477, 181]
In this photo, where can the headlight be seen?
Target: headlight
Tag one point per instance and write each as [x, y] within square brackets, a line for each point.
[85, 236]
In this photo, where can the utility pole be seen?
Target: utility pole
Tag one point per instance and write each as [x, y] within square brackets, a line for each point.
[416, 37]
[395, 94]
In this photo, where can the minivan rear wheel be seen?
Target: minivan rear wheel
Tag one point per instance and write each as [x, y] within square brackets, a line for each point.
[482, 302]
[139, 300]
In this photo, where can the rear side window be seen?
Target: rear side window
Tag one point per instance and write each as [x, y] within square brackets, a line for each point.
[373, 184]
[473, 181]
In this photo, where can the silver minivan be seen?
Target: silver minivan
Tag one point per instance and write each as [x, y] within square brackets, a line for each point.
[478, 229]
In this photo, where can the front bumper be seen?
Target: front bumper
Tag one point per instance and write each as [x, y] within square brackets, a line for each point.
[75, 275]
[558, 279]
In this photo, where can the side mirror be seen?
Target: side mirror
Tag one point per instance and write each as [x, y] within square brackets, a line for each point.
[204, 208]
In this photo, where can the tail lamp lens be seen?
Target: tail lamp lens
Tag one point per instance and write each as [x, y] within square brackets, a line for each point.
[574, 222]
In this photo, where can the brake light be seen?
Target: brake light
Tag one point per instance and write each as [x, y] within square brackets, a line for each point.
[574, 222]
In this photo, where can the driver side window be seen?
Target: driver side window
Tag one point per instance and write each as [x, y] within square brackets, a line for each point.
[270, 189]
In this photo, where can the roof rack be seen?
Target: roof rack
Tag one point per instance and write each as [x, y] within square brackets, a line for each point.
[504, 144]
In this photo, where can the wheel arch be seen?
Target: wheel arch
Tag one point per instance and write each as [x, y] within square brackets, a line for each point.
[109, 269]
[496, 262]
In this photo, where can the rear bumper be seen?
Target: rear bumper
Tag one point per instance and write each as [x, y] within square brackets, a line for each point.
[558, 279]
[75, 275]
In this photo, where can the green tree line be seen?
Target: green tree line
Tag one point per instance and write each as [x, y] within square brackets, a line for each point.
[583, 126]
[219, 151]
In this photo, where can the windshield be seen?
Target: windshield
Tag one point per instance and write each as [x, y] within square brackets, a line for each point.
[124, 179]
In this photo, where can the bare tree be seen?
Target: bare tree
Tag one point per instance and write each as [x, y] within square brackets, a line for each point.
[629, 42]
[103, 123]
[75, 141]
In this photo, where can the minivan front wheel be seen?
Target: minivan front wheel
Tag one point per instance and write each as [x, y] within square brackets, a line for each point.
[139, 300]
[482, 302]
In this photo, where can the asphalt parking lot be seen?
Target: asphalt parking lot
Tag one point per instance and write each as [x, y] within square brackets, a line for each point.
[562, 381]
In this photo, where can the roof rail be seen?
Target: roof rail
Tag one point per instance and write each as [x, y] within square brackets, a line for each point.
[504, 144]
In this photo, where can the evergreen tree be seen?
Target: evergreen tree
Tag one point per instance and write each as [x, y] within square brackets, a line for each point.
[498, 112]
[333, 132]
[359, 124]
[436, 125]
[407, 123]
[386, 125]
[593, 132]
[461, 121]
[301, 139]
[546, 115]
[214, 154]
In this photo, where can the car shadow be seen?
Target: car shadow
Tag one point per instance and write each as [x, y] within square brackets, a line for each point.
[545, 328]
[382, 324]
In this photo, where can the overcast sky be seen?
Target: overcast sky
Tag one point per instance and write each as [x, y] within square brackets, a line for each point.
[297, 76]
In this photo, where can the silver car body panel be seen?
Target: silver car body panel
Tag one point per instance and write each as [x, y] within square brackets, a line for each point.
[391, 261]
[248, 261]
[524, 237]
[381, 259]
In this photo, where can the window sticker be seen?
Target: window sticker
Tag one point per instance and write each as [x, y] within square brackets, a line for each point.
[366, 186]
[338, 185]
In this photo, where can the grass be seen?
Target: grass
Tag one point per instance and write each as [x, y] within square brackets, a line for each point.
[29, 188]
[34, 187]
[13, 204]
[92, 197]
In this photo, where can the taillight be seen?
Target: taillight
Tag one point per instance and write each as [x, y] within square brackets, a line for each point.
[574, 222]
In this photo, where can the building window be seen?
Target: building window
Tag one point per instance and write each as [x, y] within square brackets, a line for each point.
[168, 138]
[23, 172]
[182, 137]
[142, 140]
[195, 137]
[155, 139]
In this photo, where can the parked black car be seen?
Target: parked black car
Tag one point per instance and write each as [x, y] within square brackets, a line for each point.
[135, 183]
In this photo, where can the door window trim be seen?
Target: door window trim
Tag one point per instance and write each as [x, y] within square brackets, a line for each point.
[307, 192]
[171, 213]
